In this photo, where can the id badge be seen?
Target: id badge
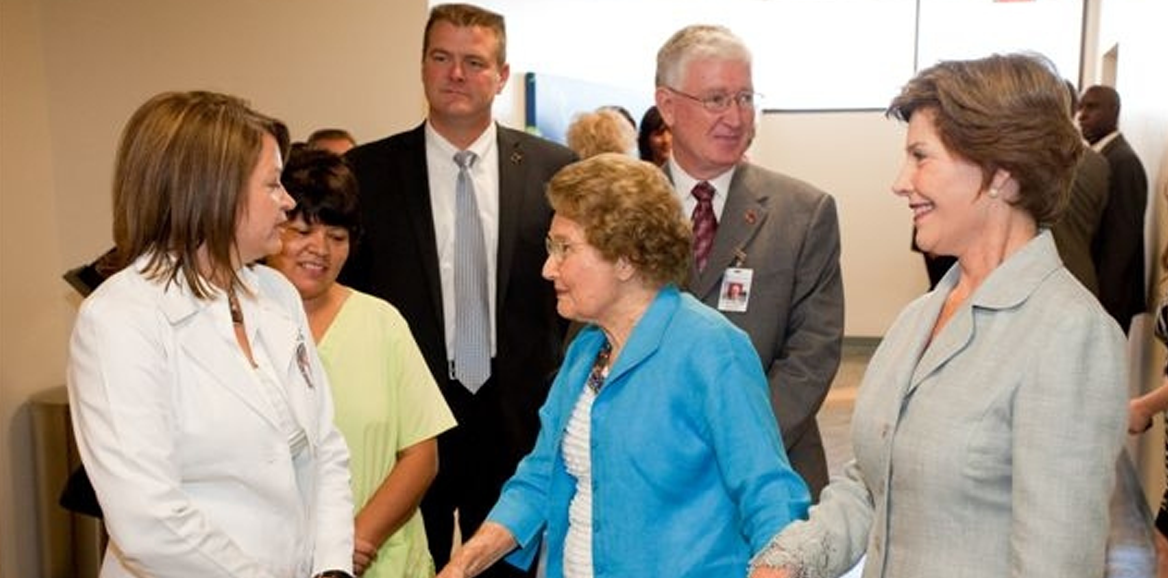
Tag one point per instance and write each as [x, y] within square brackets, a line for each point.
[734, 295]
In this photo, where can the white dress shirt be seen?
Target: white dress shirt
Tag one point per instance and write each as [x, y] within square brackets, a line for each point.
[683, 184]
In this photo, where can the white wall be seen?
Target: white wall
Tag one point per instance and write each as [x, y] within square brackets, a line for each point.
[71, 73]
[854, 156]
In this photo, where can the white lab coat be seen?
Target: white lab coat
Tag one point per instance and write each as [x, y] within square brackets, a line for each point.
[192, 472]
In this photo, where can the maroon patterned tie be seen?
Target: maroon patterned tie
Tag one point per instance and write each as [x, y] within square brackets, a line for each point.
[704, 223]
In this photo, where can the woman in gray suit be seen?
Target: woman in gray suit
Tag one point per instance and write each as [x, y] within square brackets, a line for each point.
[989, 420]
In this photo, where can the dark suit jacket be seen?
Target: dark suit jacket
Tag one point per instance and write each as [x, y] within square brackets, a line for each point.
[788, 233]
[1119, 244]
[1075, 230]
[398, 261]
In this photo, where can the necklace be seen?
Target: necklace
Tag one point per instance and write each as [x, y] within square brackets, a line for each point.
[236, 310]
[599, 368]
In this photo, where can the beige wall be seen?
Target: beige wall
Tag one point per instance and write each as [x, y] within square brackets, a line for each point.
[71, 72]
[34, 314]
[854, 156]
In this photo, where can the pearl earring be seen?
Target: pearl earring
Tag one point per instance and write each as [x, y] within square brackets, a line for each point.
[994, 192]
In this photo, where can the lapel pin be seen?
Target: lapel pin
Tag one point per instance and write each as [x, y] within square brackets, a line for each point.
[751, 216]
[516, 157]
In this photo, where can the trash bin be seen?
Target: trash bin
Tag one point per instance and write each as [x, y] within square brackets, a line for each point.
[71, 544]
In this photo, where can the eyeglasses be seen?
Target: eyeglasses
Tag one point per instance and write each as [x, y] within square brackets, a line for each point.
[721, 102]
[557, 249]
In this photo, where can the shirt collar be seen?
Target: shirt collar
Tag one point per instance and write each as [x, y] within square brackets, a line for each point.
[684, 183]
[480, 147]
[1099, 144]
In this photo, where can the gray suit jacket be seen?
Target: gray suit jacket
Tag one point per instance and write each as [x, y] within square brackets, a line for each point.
[990, 451]
[1075, 230]
[787, 232]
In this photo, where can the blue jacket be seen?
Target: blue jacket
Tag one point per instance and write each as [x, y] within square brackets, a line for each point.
[689, 473]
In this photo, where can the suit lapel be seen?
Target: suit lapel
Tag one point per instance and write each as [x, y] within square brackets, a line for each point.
[649, 333]
[1010, 284]
[953, 338]
[512, 173]
[421, 215]
[742, 217]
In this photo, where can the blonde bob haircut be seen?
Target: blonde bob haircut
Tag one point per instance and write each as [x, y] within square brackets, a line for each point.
[603, 131]
[182, 167]
[627, 210]
[1006, 112]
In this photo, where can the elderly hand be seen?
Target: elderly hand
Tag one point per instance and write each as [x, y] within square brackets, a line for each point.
[451, 571]
[763, 572]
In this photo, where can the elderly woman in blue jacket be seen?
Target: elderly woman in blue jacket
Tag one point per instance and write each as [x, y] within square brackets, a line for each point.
[658, 453]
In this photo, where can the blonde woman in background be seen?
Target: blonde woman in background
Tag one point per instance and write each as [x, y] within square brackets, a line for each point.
[602, 131]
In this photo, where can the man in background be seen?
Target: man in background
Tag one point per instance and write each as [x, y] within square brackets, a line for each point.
[335, 140]
[774, 236]
[455, 219]
[1119, 244]
[1075, 231]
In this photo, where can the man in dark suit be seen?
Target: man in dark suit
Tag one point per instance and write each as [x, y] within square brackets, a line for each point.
[776, 236]
[417, 246]
[1119, 244]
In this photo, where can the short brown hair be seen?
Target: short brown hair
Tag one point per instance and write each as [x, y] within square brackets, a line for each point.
[184, 160]
[466, 15]
[627, 210]
[1003, 112]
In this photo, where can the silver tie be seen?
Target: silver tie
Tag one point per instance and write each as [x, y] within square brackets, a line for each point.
[472, 321]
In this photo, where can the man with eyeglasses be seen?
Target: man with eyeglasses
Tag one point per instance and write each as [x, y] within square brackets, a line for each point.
[774, 237]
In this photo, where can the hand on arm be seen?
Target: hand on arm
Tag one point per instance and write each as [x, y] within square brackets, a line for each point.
[488, 545]
[762, 572]
[1141, 409]
[395, 501]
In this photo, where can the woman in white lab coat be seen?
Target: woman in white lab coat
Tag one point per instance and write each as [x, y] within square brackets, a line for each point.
[199, 404]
